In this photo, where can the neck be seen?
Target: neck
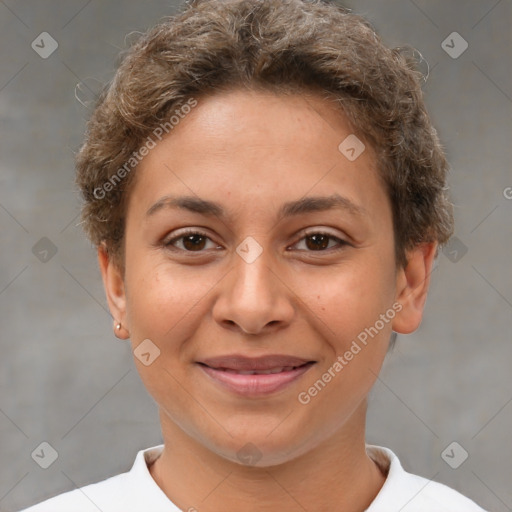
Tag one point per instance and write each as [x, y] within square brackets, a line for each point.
[335, 475]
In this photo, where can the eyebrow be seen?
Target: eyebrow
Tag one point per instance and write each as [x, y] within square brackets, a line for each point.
[292, 208]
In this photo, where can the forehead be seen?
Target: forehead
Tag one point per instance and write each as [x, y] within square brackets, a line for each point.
[249, 148]
[249, 120]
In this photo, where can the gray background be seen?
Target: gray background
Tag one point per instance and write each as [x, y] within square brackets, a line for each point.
[66, 380]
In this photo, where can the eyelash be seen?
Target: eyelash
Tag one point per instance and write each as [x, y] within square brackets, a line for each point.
[169, 243]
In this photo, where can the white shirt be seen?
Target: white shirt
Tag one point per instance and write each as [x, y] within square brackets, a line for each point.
[136, 491]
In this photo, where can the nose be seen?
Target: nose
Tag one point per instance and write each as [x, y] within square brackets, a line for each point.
[254, 298]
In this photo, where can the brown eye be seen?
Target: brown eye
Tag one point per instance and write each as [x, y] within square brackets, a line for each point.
[317, 241]
[190, 241]
[320, 242]
[194, 242]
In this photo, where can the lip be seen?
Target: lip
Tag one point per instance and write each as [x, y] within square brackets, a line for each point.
[261, 363]
[225, 371]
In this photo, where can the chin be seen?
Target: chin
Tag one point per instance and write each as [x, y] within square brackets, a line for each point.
[257, 447]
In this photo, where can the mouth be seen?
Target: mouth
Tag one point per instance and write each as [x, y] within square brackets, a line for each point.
[260, 372]
[253, 377]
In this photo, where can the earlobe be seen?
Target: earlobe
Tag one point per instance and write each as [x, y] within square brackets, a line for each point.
[412, 285]
[113, 283]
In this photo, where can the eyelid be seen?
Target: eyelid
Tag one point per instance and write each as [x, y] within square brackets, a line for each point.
[319, 231]
[184, 232]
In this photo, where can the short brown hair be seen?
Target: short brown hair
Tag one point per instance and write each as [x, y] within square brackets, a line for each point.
[281, 46]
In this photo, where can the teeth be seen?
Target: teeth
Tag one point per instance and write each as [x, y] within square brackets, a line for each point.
[261, 372]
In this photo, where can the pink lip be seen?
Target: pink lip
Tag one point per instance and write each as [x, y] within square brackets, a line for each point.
[225, 371]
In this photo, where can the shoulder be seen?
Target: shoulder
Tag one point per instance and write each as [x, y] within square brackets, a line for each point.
[128, 492]
[88, 498]
[412, 493]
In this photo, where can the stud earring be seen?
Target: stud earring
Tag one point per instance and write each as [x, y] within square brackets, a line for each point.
[117, 331]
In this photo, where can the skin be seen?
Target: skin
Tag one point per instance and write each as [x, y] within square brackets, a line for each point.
[251, 152]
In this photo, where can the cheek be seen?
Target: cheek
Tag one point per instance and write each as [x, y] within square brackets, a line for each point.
[163, 305]
[353, 314]
[348, 299]
[161, 298]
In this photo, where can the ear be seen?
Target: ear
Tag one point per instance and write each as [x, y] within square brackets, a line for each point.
[412, 283]
[113, 283]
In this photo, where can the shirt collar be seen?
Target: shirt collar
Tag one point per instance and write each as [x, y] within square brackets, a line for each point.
[140, 478]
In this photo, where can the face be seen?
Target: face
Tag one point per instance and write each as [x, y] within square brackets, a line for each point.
[257, 256]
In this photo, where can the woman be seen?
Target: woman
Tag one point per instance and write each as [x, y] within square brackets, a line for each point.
[267, 196]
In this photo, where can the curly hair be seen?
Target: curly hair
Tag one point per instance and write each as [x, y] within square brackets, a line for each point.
[283, 46]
